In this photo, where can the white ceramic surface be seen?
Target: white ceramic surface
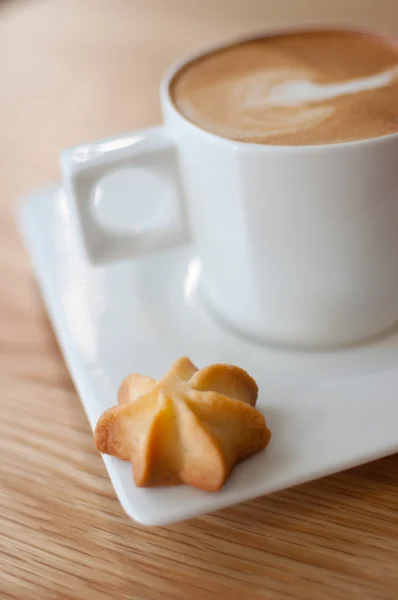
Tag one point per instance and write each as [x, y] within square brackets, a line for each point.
[299, 245]
[327, 411]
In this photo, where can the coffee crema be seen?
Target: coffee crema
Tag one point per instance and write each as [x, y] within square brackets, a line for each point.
[303, 88]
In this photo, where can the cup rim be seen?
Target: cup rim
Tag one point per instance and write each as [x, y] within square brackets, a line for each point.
[179, 64]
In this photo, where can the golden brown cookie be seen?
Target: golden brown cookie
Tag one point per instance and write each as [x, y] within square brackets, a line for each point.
[192, 426]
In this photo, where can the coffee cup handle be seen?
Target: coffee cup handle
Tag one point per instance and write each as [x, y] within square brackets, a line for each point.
[84, 166]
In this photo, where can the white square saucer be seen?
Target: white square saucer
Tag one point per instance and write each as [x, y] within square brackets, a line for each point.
[327, 410]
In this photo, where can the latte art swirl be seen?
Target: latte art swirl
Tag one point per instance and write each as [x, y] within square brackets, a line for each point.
[246, 103]
[294, 89]
[295, 92]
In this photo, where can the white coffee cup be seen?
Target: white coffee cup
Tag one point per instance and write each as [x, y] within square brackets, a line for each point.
[299, 244]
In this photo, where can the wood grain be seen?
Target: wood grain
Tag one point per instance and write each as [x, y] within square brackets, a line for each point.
[76, 70]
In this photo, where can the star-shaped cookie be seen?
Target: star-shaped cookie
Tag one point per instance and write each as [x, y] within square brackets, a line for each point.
[192, 426]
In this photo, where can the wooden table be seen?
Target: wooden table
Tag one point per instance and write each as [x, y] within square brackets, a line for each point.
[76, 70]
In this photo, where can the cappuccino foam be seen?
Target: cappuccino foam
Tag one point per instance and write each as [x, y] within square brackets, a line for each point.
[294, 89]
